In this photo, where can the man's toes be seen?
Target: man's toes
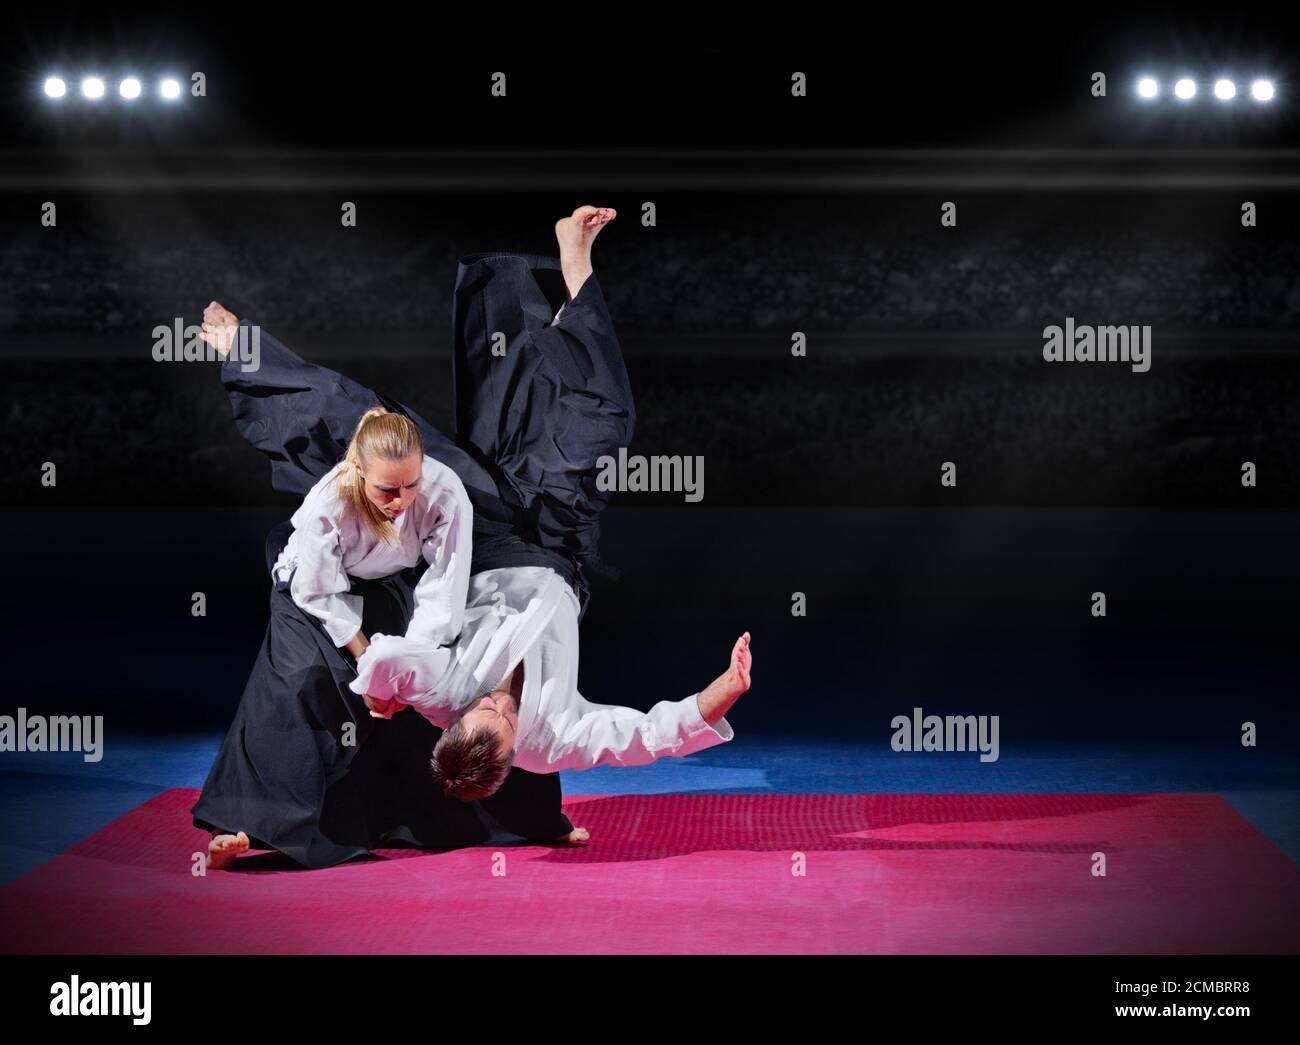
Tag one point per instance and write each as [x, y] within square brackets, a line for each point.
[578, 834]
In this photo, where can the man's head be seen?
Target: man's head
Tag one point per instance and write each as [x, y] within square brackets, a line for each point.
[474, 754]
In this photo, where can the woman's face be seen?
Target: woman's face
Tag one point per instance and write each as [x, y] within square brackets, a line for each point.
[392, 485]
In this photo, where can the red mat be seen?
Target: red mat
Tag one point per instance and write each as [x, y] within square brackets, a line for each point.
[704, 873]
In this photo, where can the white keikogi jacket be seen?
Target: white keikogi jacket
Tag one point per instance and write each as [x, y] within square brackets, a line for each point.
[529, 615]
[329, 543]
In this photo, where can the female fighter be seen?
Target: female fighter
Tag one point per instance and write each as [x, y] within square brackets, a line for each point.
[382, 510]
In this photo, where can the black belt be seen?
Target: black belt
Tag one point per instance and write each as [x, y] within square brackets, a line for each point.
[499, 545]
[506, 535]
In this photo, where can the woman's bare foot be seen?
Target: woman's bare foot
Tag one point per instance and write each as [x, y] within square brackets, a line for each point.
[575, 235]
[578, 834]
[220, 326]
[223, 849]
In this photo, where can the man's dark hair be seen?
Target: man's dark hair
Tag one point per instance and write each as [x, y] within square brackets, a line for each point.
[469, 765]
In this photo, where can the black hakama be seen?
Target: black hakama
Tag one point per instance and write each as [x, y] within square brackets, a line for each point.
[548, 409]
[532, 424]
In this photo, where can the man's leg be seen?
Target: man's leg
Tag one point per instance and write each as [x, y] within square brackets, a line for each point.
[576, 234]
[543, 400]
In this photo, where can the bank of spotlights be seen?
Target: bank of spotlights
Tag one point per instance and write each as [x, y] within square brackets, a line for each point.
[1186, 89]
[129, 88]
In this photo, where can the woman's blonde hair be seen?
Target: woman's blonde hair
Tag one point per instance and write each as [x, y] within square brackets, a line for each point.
[378, 435]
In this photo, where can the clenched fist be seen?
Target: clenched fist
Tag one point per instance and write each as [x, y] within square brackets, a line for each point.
[384, 709]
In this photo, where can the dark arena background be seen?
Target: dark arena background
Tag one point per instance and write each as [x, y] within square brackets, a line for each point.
[836, 255]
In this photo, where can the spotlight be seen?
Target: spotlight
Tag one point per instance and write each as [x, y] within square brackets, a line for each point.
[1147, 88]
[55, 88]
[129, 88]
[170, 89]
[1262, 90]
[92, 87]
[1225, 90]
[1185, 89]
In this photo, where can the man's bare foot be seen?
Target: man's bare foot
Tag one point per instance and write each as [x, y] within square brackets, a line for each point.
[716, 700]
[577, 835]
[223, 849]
[220, 326]
[575, 235]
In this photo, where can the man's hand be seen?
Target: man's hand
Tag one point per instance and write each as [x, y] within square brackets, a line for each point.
[384, 708]
[220, 326]
[716, 700]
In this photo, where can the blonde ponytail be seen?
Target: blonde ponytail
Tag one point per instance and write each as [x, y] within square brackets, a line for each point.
[378, 435]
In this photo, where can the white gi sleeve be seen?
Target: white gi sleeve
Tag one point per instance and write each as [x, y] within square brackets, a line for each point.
[605, 734]
[394, 667]
[319, 584]
[446, 544]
